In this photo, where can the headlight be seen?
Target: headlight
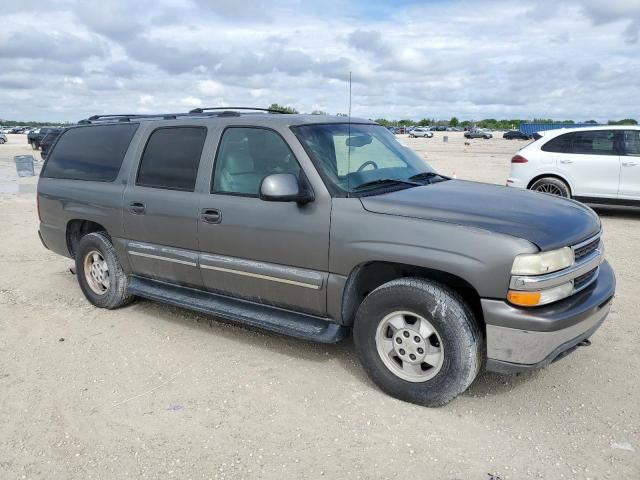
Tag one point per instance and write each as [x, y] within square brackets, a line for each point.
[544, 262]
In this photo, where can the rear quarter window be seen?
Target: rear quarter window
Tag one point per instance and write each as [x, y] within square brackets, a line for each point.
[560, 144]
[90, 153]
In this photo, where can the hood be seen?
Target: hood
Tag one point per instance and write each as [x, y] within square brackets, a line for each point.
[545, 220]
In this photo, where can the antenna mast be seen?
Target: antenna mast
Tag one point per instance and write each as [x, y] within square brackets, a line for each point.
[349, 137]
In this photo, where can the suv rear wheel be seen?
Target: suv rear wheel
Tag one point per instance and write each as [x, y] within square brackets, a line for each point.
[418, 341]
[551, 185]
[99, 272]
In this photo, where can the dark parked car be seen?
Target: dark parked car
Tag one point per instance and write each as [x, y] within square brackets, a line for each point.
[516, 135]
[35, 138]
[48, 140]
[310, 226]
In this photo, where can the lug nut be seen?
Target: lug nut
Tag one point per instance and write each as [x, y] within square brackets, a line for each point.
[420, 351]
[416, 339]
[406, 334]
[412, 356]
[402, 352]
[398, 340]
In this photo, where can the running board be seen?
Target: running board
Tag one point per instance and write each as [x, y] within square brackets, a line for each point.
[274, 319]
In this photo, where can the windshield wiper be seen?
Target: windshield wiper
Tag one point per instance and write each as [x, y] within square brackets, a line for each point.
[427, 176]
[386, 181]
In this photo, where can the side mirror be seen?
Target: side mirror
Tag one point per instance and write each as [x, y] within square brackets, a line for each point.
[284, 187]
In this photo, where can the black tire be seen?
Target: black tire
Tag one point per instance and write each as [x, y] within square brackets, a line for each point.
[552, 186]
[453, 321]
[115, 295]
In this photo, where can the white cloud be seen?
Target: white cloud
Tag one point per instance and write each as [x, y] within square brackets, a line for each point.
[471, 59]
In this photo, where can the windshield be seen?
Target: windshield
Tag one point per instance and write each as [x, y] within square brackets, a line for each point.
[371, 155]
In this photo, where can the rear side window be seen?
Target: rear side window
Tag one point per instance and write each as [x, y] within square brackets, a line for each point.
[171, 158]
[596, 142]
[632, 143]
[90, 153]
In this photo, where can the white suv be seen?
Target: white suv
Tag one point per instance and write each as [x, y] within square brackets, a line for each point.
[592, 164]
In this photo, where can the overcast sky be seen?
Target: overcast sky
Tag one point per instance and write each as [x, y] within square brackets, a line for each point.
[65, 60]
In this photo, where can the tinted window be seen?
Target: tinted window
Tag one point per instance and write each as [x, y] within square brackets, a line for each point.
[599, 142]
[561, 144]
[90, 153]
[246, 156]
[171, 158]
[596, 142]
[632, 142]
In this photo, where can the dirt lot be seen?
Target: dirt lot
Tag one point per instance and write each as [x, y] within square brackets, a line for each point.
[152, 391]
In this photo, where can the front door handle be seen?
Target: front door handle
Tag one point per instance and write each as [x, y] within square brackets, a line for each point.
[566, 161]
[629, 164]
[210, 215]
[137, 208]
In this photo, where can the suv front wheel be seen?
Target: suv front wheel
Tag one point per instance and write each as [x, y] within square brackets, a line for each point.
[418, 341]
[99, 272]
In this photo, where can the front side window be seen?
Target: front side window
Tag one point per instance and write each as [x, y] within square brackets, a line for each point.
[352, 157]
[632, 143]
[171, 158]
[246, 155]
[90, 153]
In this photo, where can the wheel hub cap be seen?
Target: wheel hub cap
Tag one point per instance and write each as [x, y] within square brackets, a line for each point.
[96, 272]
[409, 346]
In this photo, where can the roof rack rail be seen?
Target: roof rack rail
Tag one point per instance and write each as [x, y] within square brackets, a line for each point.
[231, 109]
[206, 111]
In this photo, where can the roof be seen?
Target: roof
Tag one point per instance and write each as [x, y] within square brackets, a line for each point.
[560, 131]
[531, 128]
[198, 116]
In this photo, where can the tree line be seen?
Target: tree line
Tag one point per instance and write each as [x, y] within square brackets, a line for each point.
[455, 122]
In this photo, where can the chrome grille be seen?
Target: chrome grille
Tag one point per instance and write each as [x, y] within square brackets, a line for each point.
[585, 250]
[583, 280]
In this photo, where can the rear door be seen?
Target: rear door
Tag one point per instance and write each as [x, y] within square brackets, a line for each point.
[161, 206]
[271, 252]
[589, 160]
[630, 166]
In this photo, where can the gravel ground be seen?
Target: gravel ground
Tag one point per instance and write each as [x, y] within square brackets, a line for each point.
[152, 391]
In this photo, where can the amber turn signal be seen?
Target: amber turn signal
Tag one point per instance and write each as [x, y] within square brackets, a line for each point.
[524, 299]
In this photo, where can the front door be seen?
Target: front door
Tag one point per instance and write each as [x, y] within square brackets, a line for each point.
[630, 166]
[161, 207]
[270, 252]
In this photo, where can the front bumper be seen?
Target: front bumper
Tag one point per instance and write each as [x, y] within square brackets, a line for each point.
[523, 339]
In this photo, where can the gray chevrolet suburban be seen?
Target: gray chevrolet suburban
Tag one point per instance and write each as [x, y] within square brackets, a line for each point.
[317, 227]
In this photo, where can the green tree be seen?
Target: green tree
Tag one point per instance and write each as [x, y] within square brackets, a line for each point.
[454, 122]
[383, 121]
[282, 108]
[624, 121]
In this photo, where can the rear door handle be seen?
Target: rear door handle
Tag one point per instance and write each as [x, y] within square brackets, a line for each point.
[210, 215]
[137, 208]
[629, 164]
[566, 161]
